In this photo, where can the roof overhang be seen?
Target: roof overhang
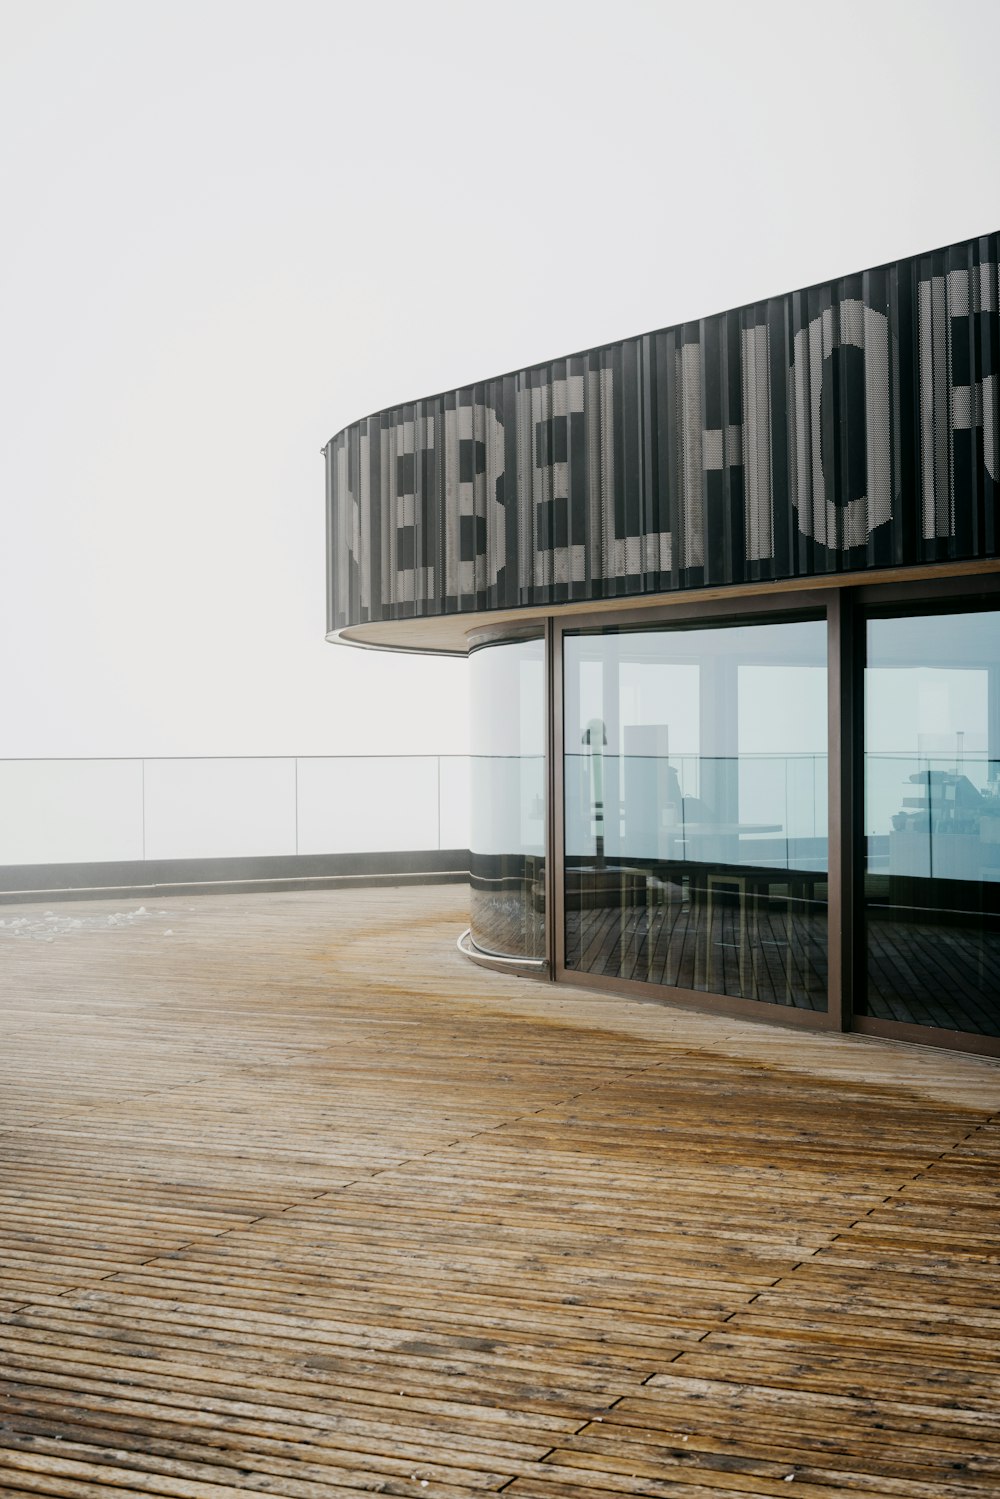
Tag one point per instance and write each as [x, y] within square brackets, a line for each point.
[453, 634]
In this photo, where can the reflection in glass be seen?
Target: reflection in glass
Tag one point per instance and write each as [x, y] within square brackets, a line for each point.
[932, 820]
[507, 823]
[696, 808]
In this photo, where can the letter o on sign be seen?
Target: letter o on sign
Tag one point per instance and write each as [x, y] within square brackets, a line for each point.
[849, 324]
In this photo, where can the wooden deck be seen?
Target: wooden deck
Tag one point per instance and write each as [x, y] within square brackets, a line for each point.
[297, 1201]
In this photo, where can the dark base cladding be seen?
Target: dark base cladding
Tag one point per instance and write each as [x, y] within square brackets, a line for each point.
[934, 951]
[507, 905]
[936, 972]
[28, 882]
[720, 937]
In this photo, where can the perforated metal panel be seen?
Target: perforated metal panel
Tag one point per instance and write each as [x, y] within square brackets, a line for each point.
[848, 426]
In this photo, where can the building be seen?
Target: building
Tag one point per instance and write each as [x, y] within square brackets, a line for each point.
[731, 596]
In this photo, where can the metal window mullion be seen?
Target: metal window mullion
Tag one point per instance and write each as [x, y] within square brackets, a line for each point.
[844, 725]
[555, 823]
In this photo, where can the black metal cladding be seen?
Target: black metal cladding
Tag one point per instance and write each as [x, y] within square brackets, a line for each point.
[848, 426]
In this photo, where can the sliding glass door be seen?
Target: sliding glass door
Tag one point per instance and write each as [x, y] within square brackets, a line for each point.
[695, 808]
[931, 890]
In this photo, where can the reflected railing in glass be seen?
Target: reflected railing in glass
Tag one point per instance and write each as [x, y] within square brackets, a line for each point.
[933, 816]
[691, 898]
[658, 807]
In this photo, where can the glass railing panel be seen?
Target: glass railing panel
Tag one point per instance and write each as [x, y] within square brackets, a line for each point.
[454, 778]
[70, 811]
[219, 808]
[100, 811]
[368, 804]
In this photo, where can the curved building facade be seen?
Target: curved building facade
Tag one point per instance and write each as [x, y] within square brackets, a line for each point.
[731, 597]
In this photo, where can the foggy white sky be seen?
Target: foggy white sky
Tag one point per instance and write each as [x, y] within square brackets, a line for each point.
[231, 227]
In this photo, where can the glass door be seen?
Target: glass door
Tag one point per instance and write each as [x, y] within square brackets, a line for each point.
[695, 808]
[931, 847]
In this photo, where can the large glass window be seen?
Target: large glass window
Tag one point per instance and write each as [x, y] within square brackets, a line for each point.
[932, 820]
[507, 828]
[696, 808]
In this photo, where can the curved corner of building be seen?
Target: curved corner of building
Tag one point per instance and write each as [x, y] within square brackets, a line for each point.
[731, 596]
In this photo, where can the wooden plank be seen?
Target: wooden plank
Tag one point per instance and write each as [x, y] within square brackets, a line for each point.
[298, 1201]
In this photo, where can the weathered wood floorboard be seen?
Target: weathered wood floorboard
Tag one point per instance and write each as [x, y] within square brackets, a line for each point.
[294, 1200]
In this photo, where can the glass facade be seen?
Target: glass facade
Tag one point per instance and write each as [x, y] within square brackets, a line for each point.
[932, 820]
[690, 519]
[696, 808]
[508, 811]
[692, 781]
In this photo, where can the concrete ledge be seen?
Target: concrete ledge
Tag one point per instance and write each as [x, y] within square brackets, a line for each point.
[26, 882]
